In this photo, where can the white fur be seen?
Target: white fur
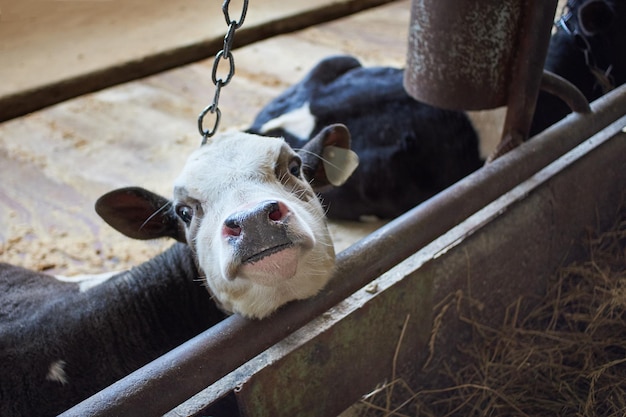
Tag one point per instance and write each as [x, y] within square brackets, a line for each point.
[56, 372]
[86, 282]
[222, 179]
[299, 122]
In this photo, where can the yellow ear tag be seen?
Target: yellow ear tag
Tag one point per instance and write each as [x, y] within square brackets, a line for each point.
[339, 164]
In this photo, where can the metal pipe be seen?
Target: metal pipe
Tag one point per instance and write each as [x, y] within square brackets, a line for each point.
[526, 72]
[174, 377]
[460, 52]
[565, 90]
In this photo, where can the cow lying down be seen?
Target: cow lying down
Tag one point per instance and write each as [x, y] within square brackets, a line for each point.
[255, 237]
[408, 150]
[589, 50]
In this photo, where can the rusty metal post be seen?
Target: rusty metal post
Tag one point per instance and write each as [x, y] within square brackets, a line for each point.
[459, 52]
[527, 73]
[475, 55]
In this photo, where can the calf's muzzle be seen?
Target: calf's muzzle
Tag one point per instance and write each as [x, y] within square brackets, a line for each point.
[259, 231]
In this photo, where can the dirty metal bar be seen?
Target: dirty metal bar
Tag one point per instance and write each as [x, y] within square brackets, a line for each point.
[331, 362]
[453, 61]
[565, 90]
[176, 376]
[526, 72]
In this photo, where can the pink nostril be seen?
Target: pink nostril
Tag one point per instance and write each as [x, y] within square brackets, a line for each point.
[232, 231]
[278, 212]
[231, 228]
[235, 224]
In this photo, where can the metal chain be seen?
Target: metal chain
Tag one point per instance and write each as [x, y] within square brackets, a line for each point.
[224, 55]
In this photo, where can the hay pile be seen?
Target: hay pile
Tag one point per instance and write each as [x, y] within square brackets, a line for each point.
[566, 357]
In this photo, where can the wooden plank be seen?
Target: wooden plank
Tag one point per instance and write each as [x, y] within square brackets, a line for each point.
[52, 51]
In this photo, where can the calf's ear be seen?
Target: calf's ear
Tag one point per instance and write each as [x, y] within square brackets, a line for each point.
[139, 214]
[327, 159]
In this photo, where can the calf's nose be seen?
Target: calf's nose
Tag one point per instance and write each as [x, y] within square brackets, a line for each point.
[266, 213]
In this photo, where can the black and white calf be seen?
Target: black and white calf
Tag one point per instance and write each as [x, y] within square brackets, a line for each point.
[589, 50]
[257, 239]
[408, 150]
[247, 207]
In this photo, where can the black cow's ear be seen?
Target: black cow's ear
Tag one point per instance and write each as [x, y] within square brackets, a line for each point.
[327, 159]
[595, 16]
[139, 214]
[329, 69]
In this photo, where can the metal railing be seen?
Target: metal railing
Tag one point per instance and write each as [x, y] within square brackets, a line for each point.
[176, 376]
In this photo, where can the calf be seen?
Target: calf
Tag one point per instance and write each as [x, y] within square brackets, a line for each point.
[61, 342]
[256, 239]
[589, 50]
[408, 150]
[247, 207]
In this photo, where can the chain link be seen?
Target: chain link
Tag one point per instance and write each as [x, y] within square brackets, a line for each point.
[224, 55]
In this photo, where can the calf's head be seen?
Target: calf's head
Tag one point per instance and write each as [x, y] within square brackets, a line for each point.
[247, 206]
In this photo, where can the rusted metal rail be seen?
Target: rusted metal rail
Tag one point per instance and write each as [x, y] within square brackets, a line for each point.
[507, 250]
[332, 361]
[176, 376]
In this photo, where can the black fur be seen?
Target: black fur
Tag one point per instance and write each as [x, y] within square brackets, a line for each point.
[606, 33]
[102, 334]
[408, 150]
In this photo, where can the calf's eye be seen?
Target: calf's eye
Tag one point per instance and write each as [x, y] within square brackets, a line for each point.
[184, 212]
[294, 166]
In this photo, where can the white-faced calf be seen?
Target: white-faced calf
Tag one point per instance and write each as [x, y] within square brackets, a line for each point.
[257, 239]
[246, 206]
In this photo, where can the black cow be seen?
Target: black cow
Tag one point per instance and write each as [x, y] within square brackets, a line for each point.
[408, 150]
[589, 50]
[61, 342]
